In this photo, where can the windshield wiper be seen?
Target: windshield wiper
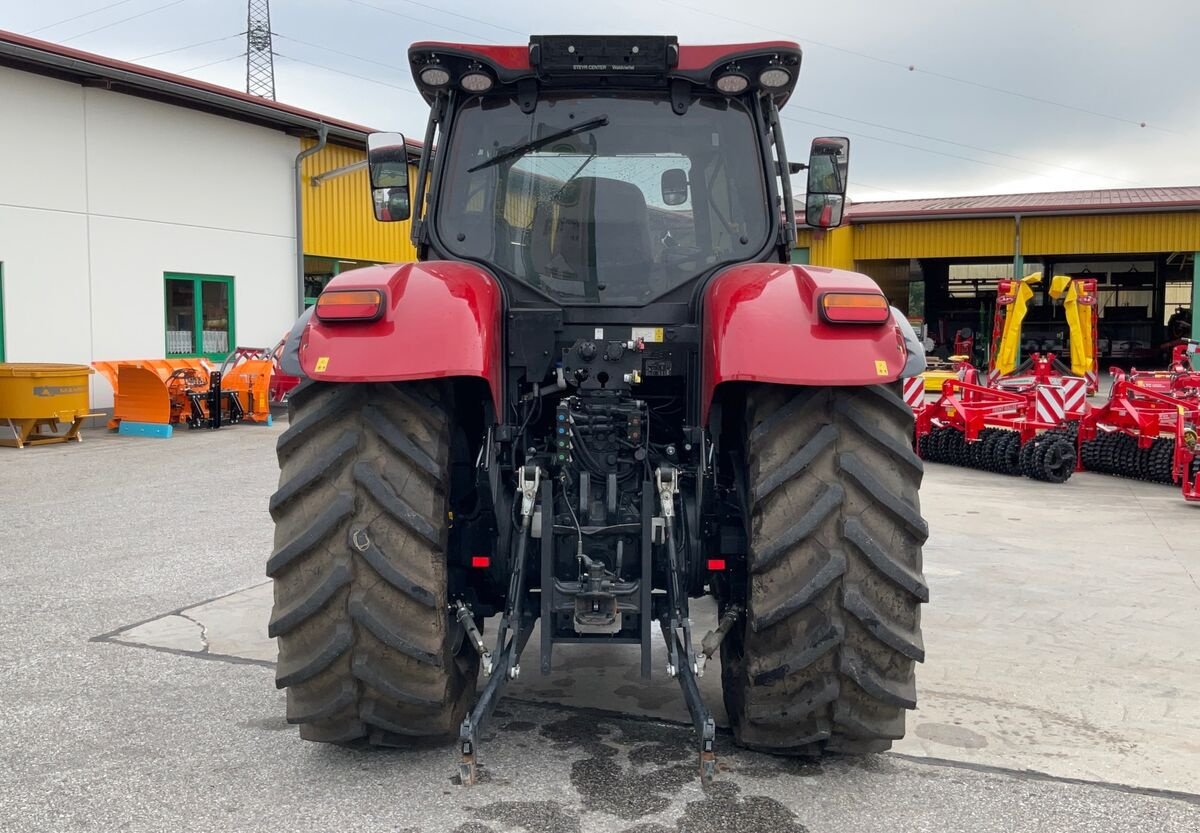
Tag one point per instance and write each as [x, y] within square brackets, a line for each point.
[509, 153]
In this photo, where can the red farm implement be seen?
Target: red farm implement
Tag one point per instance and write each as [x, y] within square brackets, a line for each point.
[1022, 418]
[1148, 427]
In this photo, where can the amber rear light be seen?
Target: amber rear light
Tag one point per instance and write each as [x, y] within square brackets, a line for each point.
[350, 305]
[855, 308]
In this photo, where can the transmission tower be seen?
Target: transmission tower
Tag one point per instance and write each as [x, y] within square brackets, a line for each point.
[260, 60]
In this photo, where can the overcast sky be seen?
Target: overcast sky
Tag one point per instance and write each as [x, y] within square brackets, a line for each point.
[908, 81]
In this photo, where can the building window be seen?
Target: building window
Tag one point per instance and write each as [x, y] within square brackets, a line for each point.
[200, 316]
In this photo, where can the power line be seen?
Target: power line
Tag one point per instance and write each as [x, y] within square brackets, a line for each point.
[124, 20]
[76, 17]
[914, 68]
[462, 16]
[857, 184]
[343, 54]
[348, 74]
[916, 147]
[386, 10]
[184, 48]
[968, 147]
[213, 63]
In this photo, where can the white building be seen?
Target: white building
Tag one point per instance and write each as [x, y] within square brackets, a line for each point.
[143, 214]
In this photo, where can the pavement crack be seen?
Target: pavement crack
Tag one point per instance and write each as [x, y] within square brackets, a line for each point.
[203, 631]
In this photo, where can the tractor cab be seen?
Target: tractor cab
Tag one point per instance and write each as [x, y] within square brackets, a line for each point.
[606, 172]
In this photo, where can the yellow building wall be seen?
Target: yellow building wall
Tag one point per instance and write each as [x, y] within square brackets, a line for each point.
[828, 248]
[933, 238]
[1112, 234]
[338, 219]
[967, 238]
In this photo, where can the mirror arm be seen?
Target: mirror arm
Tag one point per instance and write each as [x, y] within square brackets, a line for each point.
[417, 205]
[785, 179]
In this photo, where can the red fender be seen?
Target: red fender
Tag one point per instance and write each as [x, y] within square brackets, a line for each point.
[441, 319]
[762, 324]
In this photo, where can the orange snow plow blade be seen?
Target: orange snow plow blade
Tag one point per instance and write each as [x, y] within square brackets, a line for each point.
[152, 390]
[250, 379]
[170, 391]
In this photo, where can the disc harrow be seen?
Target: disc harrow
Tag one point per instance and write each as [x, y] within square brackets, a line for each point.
[1049, 456]
[1031, 431]
[1147, 429]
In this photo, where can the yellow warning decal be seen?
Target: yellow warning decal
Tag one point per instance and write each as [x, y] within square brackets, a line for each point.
[881, 367]
[650, 335]
[322, 363]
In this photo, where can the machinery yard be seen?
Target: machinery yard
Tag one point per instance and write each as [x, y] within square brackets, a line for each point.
[1057, 693]
[490, 431]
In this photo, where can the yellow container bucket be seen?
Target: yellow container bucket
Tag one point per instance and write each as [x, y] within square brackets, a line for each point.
[34, 398]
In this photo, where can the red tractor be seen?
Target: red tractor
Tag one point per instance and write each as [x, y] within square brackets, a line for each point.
[603, 391]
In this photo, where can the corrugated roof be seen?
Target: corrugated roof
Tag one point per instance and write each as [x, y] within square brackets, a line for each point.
[1063, 202]
[43, 57]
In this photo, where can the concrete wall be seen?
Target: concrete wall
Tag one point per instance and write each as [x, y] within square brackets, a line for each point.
[102, 193]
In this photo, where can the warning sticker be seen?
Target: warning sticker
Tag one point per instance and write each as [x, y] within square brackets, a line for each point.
[650, 335]
[322, 363]
[881, 367]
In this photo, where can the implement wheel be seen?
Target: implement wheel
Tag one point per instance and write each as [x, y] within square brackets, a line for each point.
[367, 649]
[824, 659]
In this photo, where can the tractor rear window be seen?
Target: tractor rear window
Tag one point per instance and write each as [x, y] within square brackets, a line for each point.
[604, 200]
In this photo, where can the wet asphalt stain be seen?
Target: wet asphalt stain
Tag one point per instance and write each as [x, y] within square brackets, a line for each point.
[659, 758]
[648, 698]
[547, 694]
[724, 810]
[530, 816]
[473, 827]
[519, 726]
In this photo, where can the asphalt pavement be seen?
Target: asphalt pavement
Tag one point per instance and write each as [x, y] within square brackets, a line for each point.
[1059, 695]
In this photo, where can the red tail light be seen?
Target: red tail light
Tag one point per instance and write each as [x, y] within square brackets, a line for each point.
[481, 561]
[350, 305]
[855, 308]
[716, 564]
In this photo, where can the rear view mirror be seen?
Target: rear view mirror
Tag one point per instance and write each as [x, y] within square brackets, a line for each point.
[828, 168]
[387, 168]
[674, 186]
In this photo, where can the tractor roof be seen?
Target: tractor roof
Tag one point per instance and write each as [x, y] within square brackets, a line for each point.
[607, 62]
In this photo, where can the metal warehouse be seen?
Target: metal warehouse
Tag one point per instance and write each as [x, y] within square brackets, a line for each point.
[939, 260]
[144, 214]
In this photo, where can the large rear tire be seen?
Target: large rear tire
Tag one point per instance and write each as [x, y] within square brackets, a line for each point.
[824, 659]
[367, 649]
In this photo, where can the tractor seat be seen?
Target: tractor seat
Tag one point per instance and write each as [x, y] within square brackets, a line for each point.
[594, 232]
